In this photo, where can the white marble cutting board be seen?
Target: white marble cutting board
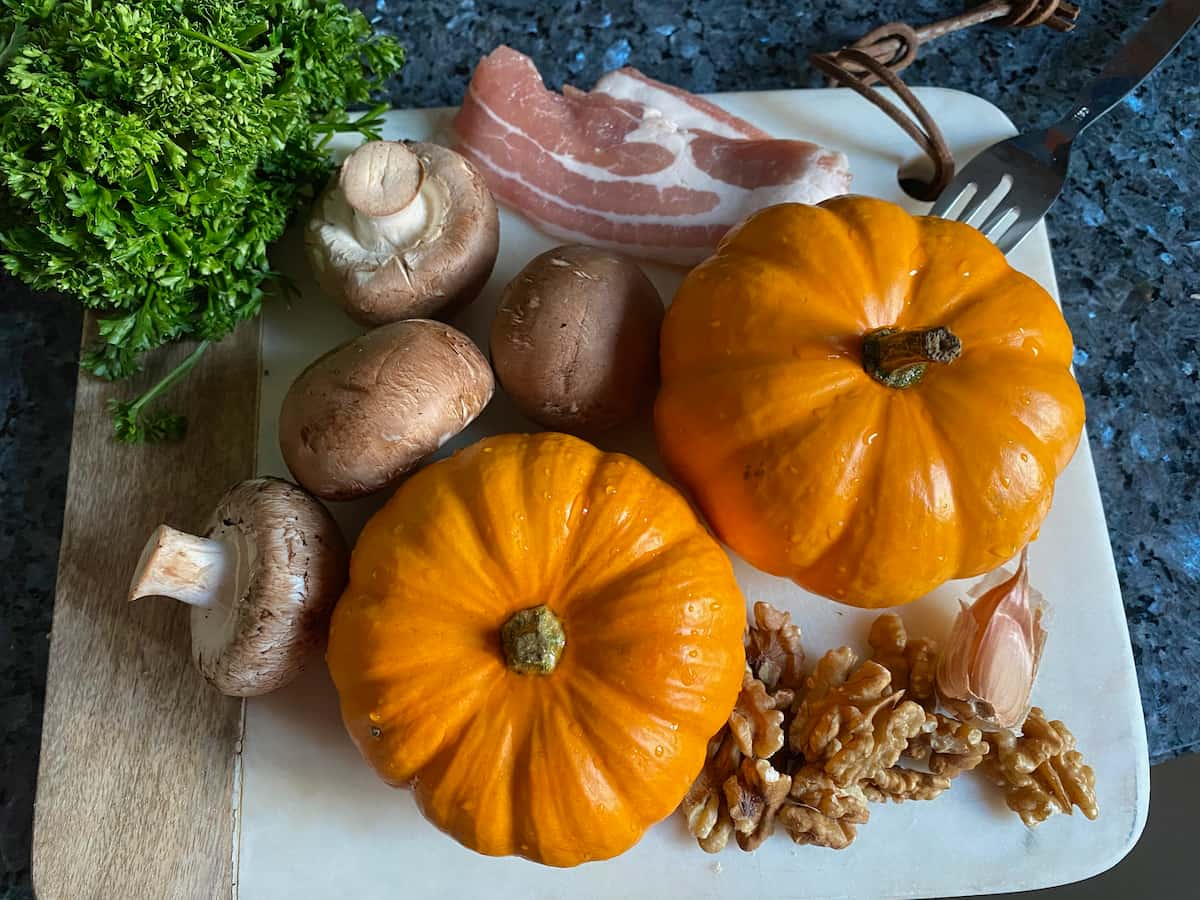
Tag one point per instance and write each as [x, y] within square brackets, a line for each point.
[313, 821]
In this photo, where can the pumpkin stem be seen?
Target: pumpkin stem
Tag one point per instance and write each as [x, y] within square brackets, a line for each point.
[899, 358]
[533, 641]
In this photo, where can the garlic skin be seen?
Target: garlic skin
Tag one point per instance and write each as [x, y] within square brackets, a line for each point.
[987, 669]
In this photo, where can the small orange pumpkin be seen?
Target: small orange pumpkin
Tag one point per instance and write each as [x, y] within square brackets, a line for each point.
[867, 402]
[540, 638]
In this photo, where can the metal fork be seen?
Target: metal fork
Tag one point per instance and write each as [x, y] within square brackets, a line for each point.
[1010, 185]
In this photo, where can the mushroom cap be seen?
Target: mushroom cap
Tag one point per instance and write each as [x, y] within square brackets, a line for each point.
[371, 409]
[430, 255]
[575, 339]
[292, 565]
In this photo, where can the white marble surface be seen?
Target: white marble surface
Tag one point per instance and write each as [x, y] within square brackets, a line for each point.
[315, 823]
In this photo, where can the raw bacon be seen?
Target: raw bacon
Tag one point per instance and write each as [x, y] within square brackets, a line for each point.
[684, 109]
[634, 164]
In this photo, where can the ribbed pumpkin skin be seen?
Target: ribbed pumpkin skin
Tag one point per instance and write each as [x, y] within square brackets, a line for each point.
[561, 768]
[812, 469]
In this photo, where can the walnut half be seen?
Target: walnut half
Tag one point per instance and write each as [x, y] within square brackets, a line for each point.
[704, 805]
[773, 649]
[1041, 772]
[754, 795]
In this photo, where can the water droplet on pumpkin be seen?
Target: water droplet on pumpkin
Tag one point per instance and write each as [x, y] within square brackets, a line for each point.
[376, 731]
[693, 653]
[1031, 345]
[870, 438]
[912, 273]
[375, 717]
[674, 726]
[660, 750]
[1024, 457]
[1006, 481]
[585, 511]
[714, 606]
[609, 489]
[488, 449]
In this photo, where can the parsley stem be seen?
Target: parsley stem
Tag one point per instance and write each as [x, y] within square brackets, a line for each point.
[171, 377]
[13, 44]
[238, 52]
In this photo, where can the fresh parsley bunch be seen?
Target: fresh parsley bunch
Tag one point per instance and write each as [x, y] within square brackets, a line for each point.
[151, 150]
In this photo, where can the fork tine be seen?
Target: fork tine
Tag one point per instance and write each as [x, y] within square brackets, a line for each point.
[1015, 233]
[950, 196]
[997, 216]
[997, 190]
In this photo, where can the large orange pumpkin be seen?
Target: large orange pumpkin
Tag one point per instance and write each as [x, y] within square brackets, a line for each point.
[867, 402]
[540, 638]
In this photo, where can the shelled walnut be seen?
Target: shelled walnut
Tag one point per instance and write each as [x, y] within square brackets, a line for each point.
[756, 722]
[704, 805]
[849, 728]
[948, 747]
[773, 649]
[1041, 772]
[754, 796]
[820, 812]
[912, 663]
[850, 723]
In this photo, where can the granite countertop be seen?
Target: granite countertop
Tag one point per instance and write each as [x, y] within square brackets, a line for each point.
[1126, 239]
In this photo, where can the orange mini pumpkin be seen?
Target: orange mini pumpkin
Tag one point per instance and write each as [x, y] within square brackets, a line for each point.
[867, 402]
[540, 638]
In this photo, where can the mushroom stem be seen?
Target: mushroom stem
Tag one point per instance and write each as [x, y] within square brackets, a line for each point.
[400, 229]
[184, 567]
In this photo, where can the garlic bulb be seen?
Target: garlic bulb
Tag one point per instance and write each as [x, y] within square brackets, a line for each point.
[986, 672]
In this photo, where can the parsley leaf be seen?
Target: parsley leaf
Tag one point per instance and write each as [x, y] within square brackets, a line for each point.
[151, 151]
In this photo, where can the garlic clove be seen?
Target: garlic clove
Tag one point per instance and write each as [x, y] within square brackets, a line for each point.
[991, 659]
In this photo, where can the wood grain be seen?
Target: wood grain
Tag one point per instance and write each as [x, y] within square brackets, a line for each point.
[136, 781]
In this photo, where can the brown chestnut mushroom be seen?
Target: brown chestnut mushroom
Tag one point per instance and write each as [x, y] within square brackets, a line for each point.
[371, 409]
[262, 583]
[575, 339]
[404, 231]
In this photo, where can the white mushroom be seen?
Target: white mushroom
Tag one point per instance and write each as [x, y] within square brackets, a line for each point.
[406, 230]
[262, 583]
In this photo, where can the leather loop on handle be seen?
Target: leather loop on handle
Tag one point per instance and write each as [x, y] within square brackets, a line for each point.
[882, 53]
[924, 130]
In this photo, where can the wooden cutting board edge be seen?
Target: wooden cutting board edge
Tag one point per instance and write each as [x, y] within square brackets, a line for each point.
[138, 771]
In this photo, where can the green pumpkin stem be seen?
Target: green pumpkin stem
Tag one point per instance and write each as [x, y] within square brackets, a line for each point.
[899, 358]
[533, 641]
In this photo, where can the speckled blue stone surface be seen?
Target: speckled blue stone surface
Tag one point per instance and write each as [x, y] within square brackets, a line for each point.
[1126, 240]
